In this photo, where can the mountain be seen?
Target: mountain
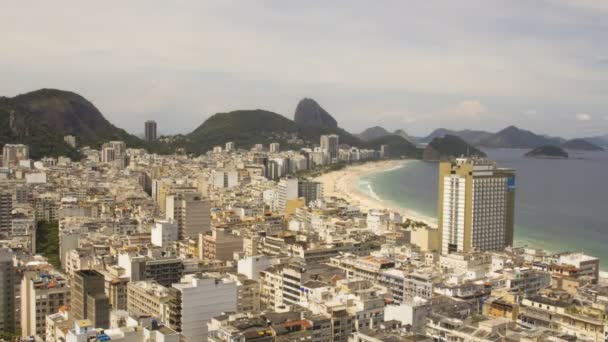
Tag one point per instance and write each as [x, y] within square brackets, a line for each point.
[398, 146]
[601, 141]
[249, 127]
[449, 146]
[473, 136]
[406, 136]
[513, 137]
[580, 145]
[310, 113]
[43, 117]
[548, 151]
[376, 132]
[470, 136]
[373, 133]
[439, 132]
[244, 127]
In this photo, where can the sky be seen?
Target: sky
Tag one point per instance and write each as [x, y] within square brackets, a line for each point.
[415, 65]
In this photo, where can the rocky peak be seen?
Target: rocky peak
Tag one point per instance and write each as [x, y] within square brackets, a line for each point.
[310, 113]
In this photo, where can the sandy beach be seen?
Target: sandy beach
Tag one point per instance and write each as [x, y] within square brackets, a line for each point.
[344, 184]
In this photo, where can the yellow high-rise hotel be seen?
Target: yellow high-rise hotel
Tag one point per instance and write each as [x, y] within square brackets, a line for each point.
[476, 205]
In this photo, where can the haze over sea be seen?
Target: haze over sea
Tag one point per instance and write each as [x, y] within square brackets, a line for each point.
[560, 205]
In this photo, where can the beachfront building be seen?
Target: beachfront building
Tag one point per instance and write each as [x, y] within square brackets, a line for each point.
[329, 145]
[476, 205]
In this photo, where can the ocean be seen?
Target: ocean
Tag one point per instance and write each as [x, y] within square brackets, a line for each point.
[560, 204]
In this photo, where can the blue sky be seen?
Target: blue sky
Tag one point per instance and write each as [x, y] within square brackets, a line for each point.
[415, 65]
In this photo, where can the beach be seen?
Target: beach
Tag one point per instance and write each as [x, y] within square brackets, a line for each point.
[345, 184]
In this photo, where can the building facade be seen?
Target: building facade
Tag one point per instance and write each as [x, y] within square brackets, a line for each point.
[329, 144]
[150, 130]
[476, 205]
[88, 298]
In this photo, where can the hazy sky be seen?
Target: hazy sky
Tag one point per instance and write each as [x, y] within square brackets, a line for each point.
[416, 65]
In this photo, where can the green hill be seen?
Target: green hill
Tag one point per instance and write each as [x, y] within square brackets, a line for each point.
[42, 118]
[249, 127]
[243, 127]
[449, 146]
[548, 151]
[398, 146]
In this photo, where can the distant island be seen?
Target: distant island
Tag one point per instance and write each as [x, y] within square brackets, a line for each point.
[581, 145]
[449, 146]
[548, 152]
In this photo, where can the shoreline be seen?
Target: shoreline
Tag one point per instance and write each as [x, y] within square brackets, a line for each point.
[345, 184]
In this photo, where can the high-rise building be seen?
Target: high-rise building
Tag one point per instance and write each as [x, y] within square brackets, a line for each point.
[6, 206]
[42, 294]
[116, 287]
[275, 147]
[310, 190]
[329, 144]
[229, 146]
[384, 151]
[476, 205]
[287, 189]
[163, 233]
[150, 130]
[165, 270]
[107, 154]
[146, 298]
[7, 290]
[224, 179]
[201, 298]
[88, 298]
[192, 213]
[220, 245]
[13, 153]
[114, 152]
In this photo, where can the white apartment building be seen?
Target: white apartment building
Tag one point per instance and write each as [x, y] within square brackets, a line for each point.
[42, 294]
[476, 206]
[163, 233]
[287, 190]
[192, 213]
[203, 298]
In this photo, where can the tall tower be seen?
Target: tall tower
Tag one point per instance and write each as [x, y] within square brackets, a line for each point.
[191, 212]
[476, 205]
[88, 298]
[7, 290]
[6, 206]
[329, 144]
[150, 130]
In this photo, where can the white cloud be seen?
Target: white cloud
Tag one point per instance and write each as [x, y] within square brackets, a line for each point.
[583, 117]
[468, 108]
[192, 58]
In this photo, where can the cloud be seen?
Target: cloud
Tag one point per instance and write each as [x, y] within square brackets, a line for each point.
[583, 117]
[468, 108]
[530, 112]
[193, 59]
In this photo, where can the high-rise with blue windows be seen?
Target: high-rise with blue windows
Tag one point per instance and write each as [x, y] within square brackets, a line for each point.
[476, 205]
